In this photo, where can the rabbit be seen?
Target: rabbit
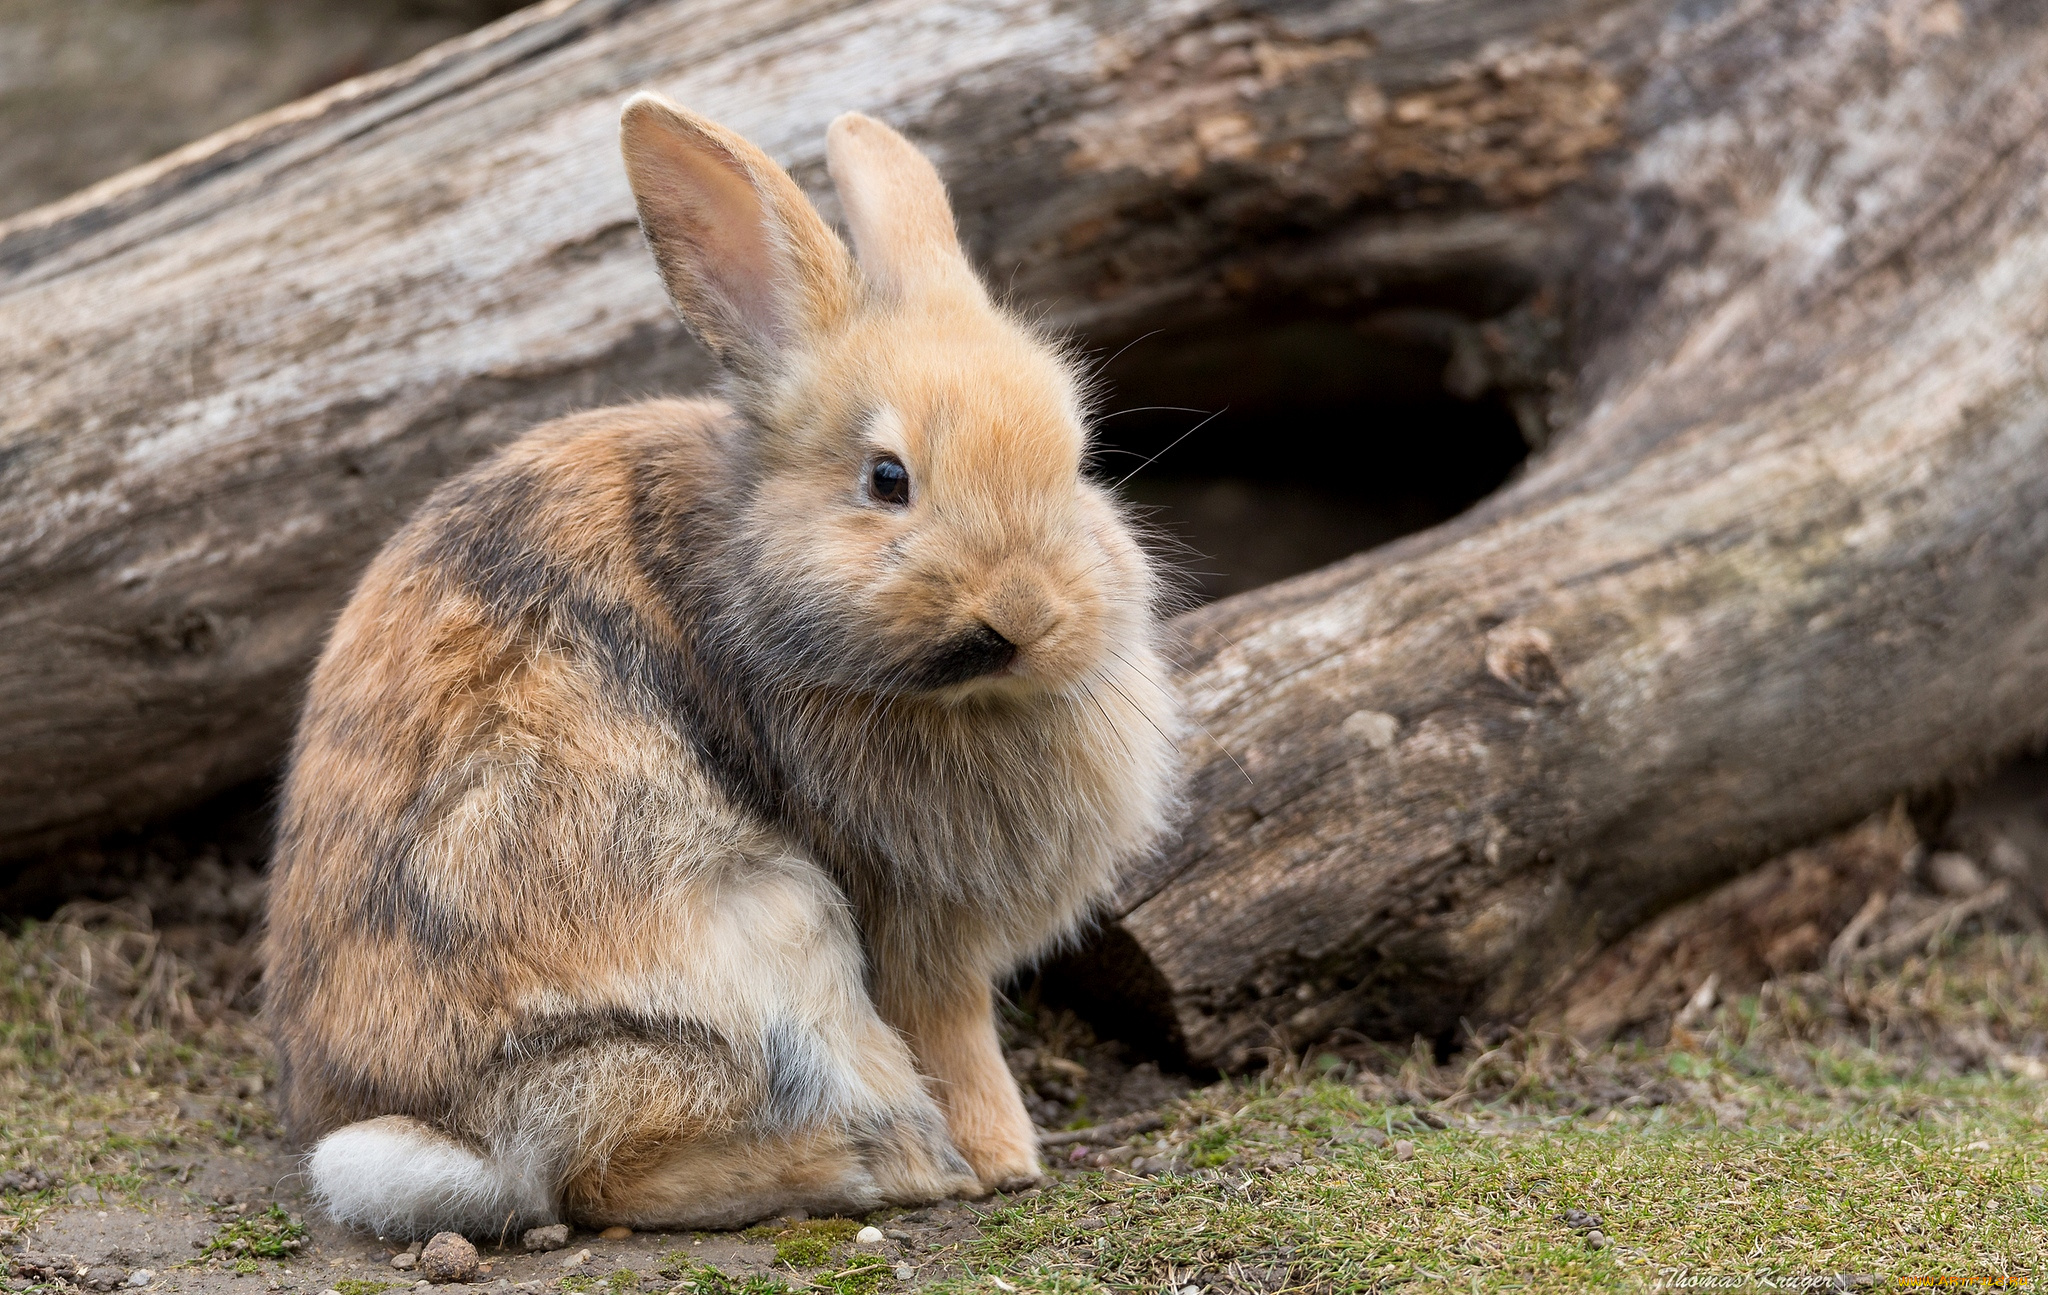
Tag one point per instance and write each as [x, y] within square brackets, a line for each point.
[677, 784]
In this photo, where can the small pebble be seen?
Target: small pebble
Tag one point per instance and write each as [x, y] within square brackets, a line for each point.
[449, 1257]
[576, 1260]
[1597, 1239]
[1404, 1150]
[404, 1259]
[903, 1272]
[868, 1236]
[552, 1237]
[330, 1291]
[141, 1277]
[1955, 875]
[616, 1233]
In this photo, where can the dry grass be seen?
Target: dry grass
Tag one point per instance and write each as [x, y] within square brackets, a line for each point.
[117, 1053]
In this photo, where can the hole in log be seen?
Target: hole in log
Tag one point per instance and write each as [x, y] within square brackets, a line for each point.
[1340, 432]
[1273, 443]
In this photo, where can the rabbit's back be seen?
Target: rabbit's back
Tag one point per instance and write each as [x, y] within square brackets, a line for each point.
[491, 823]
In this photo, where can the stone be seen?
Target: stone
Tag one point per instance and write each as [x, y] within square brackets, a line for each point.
[904, 1272]
[616, 1233]
[449, 1257]
[552, 1237]
[1404, 1150]
[404, 1259]
[868, 1236]
[141, 1277]
[577, 1260]
[1597, 1239]
[1955, 875]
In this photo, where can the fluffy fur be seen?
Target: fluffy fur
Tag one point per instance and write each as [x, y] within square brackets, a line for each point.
[666, 802]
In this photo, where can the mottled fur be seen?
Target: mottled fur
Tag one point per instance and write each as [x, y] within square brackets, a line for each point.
[655, 827]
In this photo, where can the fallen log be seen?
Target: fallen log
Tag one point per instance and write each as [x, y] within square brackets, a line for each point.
[1790, 557]
[1785, 556]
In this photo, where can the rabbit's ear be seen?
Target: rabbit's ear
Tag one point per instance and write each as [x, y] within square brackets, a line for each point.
[748, 261]
[896, 207]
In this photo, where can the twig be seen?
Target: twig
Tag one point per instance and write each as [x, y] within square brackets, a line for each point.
[1114, 1131]
[1936, 926]
[1844, 946]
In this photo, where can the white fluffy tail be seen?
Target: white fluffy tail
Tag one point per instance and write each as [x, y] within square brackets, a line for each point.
[400, 1178]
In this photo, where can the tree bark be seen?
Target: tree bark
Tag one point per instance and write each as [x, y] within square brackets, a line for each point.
[1790, 557]
[1786, 555]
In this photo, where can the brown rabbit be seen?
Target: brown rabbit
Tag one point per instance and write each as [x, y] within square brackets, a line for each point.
[677, 783]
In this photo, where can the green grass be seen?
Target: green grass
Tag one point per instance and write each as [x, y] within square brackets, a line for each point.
[705, 1279]
[359, 1286]
[1720, 1167]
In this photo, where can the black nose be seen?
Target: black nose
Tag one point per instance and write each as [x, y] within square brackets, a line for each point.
[978, 652]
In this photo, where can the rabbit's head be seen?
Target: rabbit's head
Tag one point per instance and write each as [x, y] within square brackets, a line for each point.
[909, 499]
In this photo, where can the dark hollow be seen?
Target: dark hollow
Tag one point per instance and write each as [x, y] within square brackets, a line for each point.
[1329, 435]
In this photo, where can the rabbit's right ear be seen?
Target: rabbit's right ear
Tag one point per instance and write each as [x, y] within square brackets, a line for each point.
[749, 263]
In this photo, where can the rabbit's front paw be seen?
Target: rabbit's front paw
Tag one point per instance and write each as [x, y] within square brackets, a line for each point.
[1000, 1144]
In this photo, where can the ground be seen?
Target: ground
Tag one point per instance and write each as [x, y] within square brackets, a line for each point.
[1877, 1127]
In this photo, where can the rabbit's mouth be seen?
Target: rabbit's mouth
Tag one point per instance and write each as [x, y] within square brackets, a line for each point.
[977, 654]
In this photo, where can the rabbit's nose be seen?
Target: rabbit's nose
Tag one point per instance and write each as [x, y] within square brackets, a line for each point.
[1021, 613]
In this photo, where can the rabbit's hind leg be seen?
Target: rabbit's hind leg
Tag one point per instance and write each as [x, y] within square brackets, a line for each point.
[823, 1107]
[831, 1162]
[400, 1177]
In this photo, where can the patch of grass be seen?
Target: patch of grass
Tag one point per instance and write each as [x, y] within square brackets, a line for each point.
[705, 1279]
[360, 1286]
[806, 1244]
[863, 1275]
[267, 1234]
[1792, 1191]
[1887, 1128]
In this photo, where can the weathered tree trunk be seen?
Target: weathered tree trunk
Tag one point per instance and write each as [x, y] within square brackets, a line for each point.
[1787, 554]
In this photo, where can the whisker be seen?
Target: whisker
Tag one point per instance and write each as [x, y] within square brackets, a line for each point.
[1176, 441]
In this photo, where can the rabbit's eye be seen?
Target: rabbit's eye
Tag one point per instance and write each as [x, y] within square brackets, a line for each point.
[889, 481]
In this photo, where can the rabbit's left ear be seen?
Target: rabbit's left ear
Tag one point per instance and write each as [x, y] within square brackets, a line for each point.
[896, 208]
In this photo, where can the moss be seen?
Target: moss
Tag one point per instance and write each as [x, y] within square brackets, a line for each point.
[808, 1244]
[266, 1234]
[358, 1286]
